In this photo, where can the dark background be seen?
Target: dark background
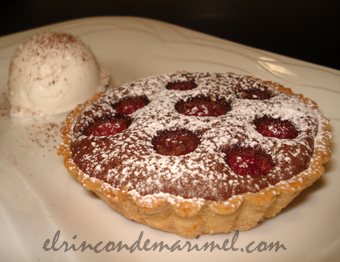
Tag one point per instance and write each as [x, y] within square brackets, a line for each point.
[308, 30]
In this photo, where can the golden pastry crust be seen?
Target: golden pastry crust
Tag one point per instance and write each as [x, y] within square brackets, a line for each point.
[193, 217]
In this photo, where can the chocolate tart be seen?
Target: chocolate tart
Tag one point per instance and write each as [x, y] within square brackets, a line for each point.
[197, 153]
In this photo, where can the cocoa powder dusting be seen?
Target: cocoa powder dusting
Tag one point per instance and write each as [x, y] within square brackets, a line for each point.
[5, 106]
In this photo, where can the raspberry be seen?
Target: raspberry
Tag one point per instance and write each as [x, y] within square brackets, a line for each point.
[202, 106]
[270, 127]
[175, 143]
[182, 86]
[131, 104]
[250, 163]
[108, 128]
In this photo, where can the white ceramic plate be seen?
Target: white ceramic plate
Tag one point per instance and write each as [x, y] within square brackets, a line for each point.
[38, 198]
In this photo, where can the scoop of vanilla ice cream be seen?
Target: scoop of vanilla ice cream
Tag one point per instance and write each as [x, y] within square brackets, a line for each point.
[50, 73]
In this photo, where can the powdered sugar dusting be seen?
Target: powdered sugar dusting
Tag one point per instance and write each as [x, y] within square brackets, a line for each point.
[129, 160]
